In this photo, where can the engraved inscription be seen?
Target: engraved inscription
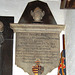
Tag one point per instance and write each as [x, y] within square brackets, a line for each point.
[32, 46]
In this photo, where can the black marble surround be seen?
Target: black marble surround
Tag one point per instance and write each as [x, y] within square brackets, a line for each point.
[6, 46]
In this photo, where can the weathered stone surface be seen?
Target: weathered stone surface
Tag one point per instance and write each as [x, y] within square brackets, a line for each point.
[37, 42]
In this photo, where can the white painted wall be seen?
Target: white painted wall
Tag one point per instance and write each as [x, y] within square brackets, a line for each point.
[70, 42]
[59, 14]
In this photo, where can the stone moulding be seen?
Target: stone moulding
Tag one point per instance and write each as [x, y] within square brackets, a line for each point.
[36, 27]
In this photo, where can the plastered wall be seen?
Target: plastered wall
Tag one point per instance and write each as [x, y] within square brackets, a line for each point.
[70, 42]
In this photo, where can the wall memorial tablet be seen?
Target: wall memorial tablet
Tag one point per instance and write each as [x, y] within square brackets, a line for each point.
[37, 45]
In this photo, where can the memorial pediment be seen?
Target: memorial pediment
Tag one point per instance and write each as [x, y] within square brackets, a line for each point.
[26, 17]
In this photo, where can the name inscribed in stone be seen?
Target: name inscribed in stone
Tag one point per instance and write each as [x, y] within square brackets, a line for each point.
[31, 46]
